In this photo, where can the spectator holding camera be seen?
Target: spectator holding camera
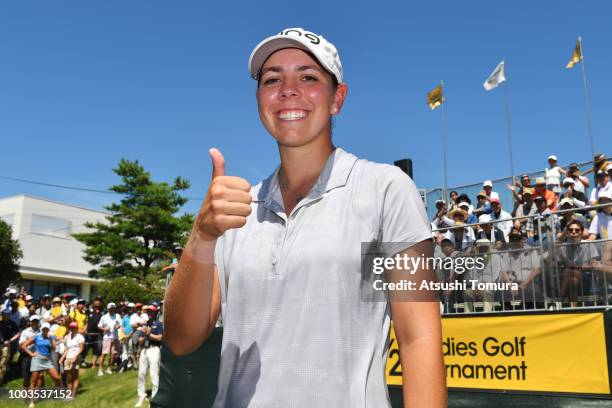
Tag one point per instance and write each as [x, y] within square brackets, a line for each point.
[566, 217]
[569, 192]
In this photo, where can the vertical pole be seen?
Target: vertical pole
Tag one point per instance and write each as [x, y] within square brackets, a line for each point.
[587, 101]
[509, 126]
[443, 130]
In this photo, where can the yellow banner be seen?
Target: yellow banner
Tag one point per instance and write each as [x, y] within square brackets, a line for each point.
[546, 353]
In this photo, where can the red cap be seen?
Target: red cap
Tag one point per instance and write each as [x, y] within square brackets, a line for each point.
[495, 200]
[73, 324]
[153, 308]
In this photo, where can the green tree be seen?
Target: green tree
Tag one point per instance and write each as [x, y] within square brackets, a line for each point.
[10, 254]
[140, 230]
[129, 289]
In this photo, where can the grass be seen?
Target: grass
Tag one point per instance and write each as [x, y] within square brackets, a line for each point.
[114, 390]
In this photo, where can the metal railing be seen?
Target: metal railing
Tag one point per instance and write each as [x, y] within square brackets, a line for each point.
[543, 273]
[499, 185]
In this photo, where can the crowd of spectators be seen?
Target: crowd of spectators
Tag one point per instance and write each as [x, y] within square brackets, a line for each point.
[554, 242]
[57, 335]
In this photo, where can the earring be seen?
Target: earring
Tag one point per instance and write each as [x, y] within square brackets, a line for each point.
[334, 110]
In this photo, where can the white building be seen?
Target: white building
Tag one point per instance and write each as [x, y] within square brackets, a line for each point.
[52, 259]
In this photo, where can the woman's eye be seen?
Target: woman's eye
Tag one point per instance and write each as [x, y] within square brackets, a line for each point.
[309, 78]
[270, 81]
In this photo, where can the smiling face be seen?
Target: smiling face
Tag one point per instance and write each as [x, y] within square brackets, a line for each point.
[296, 97]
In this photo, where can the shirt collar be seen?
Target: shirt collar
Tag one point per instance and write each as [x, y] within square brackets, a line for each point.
[335, 174]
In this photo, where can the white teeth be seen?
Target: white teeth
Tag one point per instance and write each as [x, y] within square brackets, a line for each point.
[291, 115]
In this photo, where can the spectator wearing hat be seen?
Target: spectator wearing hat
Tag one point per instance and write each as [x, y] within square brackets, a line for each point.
[498, 214]
[93, 337]
[440, 220]
[16, 315]
[483, 206]
[487, 271]
[552, 175]
[599, 164]
[581, 183]
[125, 337]
[523, 267]
[29, 332]
[9, 334]
[466, 206]
[487, 187]
[603, 185]
[461, 237]
[70, 360]
[569, 191]
[448, 274]
[490, 232]
[79, 315]
[44, 311]
[58, 309]
[11, 295]
[577, 260]
[517, 190]
[150, 356]
[109, 324]
[566, 216]
[525, 213]
[601, 225]
[541, 191]
[539, 222]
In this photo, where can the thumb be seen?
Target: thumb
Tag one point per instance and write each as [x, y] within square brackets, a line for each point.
[218, 162]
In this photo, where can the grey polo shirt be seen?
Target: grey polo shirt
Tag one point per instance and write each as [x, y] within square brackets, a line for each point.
[296, 332]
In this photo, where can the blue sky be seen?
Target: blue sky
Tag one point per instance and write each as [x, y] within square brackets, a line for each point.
[83, 84]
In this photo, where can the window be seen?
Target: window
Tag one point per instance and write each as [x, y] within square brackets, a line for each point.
[55, 227]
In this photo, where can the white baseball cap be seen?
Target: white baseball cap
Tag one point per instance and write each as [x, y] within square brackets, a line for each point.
[568, 180]
[34, 317]
[111, 304]
[131, 304]
[487, 183]
[484, 218]
[324, 51]
[552, 157]
[45, 325]
[73, 302]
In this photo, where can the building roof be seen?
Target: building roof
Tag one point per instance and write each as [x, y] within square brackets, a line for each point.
[54, 202]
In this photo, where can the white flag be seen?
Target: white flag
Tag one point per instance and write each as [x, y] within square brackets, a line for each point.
[496, 77]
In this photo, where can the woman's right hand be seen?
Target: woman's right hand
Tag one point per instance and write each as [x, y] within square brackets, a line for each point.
[227, 204]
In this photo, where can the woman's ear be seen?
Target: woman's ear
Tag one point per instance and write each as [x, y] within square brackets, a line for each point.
[339, 97]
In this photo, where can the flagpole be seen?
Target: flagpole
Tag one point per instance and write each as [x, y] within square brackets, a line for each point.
[586, 100]
[443, 131]
[509, 126]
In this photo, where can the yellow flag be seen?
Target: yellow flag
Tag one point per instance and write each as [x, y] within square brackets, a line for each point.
[576, 55]
[435, 98]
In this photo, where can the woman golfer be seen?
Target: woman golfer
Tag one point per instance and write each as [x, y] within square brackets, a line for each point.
[44, 344]
[282, 260]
